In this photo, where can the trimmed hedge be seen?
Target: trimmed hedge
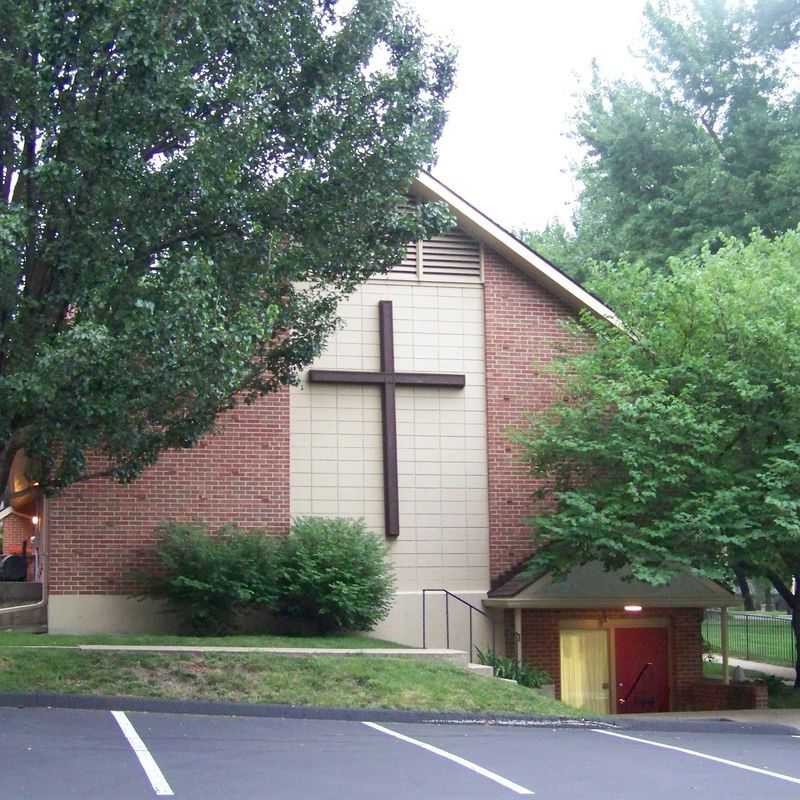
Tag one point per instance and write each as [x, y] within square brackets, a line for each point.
[334, 571]
[209, 578]
[330, 573]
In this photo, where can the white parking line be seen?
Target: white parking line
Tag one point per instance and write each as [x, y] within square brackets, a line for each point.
[492, 776]
[151, 769]
[779, 775]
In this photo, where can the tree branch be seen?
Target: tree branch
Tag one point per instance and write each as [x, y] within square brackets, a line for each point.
[708, 127]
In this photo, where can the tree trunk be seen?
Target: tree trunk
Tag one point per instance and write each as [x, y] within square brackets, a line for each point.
[792, 599]
[744, 588]
[7, 453]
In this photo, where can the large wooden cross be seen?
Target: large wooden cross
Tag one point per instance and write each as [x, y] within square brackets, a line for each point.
[387, 379]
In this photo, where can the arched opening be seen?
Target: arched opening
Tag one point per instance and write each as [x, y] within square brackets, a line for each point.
[22, 567]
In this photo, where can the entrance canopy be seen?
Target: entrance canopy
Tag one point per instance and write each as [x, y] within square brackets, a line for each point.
[592, 586]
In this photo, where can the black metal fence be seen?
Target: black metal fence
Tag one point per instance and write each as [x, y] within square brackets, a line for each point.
[756, 637]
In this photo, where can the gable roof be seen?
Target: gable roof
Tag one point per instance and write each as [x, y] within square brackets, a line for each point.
[592, 586]
[528, 261]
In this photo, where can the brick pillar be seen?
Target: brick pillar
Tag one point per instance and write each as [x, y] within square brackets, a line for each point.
[541, 646]
[687, 655]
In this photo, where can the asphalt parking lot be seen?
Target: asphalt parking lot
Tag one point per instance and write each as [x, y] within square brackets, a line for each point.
[63, 753]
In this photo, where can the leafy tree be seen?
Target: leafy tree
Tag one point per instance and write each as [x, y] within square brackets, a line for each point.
[556, 242]
[187, 191]
[676, 444]
[706, 146]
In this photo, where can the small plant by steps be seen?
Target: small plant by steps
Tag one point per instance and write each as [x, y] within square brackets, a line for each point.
[506, 667]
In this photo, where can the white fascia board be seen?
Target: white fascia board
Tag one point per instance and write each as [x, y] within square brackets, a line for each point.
[484, 229]
[607, 603]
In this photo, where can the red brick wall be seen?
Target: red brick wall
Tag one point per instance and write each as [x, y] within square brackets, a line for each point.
[523, 332]
[100, 531]
[541, 646]
[15, 531]
[540, 642]
[687, 654]
[716, 696]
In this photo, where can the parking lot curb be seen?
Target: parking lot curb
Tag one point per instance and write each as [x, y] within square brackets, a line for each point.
[220, 708]
[275, 710]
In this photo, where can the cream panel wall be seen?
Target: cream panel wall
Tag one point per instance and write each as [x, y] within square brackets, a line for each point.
[336, 441]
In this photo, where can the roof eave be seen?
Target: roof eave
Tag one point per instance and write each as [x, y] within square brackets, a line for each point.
[482, 228]
[606, 603]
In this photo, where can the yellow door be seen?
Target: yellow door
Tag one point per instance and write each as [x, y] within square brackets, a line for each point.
[584, 670]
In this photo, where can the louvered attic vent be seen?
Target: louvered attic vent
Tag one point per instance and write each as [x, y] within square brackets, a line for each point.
[453, 256]
[408, 266]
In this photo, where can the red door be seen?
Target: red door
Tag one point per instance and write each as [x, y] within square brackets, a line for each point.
[642, 670]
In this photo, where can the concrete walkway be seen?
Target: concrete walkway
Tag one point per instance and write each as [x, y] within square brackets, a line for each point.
[769, 716]
[457, 657]
[784, 673]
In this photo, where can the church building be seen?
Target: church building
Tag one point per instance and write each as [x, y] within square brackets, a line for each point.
[402, 421]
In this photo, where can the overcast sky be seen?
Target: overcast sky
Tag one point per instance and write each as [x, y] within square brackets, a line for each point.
[520, 65]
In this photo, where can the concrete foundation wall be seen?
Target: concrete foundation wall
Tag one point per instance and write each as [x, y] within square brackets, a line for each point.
[107, 613]
[404, 623]
[81, 613]
[28, 618]
[13, 592]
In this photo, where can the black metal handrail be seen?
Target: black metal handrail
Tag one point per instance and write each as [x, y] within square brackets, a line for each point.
[636, 682]
[447, 595]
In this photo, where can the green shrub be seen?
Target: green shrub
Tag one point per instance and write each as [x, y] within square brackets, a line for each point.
[330, 573]
[773, 683]
[505, 667]
[209, 577]
[334, 572]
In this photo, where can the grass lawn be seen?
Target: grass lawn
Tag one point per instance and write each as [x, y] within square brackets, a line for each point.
[348, 682]
[780, 696]
[753, 637]
[10, 638]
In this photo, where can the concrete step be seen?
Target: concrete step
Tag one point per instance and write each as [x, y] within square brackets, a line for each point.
[484, 670]
[23, 619]
[18, 593]
[25, 629]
